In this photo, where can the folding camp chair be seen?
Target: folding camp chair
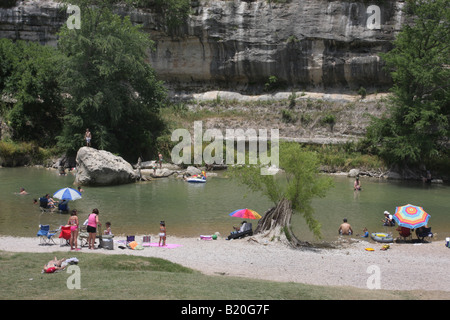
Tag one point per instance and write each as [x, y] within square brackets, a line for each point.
[130, 239]
[45, 235]
[423, 233]
[248, 231]
[83, 235]
[63, 206]
[404, 233]
[64, 235]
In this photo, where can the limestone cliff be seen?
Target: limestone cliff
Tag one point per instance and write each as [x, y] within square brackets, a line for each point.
[306, 44]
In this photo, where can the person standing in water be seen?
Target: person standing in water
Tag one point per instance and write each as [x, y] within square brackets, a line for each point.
[357, 184]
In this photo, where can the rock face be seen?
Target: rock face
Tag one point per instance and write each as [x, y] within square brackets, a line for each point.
[101, 168]
[321, 44]
[36, 20]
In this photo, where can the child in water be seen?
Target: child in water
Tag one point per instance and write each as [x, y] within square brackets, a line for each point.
[365, 233]
[357, 184]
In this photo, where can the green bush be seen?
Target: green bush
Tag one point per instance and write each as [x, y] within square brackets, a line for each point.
[362, 92]
[328, 119]
[288, 116]
[271, 84]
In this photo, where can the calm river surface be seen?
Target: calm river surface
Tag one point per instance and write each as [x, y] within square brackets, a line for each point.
[192, 210]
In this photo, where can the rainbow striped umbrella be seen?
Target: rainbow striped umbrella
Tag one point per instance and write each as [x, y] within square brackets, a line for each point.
[245, 214]
[411, 216]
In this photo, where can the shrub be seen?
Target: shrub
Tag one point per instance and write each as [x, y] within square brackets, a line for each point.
[362, 92]
[288, 116]
[329, 119]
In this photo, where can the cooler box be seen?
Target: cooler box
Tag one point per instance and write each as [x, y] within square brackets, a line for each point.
[107, 244]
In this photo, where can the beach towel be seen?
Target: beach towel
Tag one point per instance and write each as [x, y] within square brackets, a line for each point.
[133, 245]
[167, 246]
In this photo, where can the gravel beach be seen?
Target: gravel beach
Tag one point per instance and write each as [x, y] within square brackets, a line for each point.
[404, 266]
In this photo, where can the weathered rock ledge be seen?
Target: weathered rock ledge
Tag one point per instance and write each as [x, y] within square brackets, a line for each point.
[321, 44]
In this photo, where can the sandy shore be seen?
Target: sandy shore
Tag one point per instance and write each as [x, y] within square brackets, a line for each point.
[404, 266]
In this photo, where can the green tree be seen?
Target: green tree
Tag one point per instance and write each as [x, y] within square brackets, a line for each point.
[29, 82]
[416, 126]
[292, 191]
[113, 89]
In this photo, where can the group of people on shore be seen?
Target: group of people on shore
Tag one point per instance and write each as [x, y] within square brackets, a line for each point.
[92, 223]
[346, 229]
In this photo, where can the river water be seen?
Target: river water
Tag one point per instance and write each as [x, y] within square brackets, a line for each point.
[195, 209]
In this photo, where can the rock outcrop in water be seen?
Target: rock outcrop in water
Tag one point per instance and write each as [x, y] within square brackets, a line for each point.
[320, 44]
[102, 168]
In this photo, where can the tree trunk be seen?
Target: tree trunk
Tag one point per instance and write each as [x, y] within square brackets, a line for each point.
[276, 224]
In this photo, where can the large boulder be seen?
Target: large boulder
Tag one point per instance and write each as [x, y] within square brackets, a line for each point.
[192, 171]
[102, 168]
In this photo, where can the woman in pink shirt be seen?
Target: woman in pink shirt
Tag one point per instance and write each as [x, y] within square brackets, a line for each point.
[92, 227]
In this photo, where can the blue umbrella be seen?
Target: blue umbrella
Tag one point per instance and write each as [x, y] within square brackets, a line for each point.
[67, 194]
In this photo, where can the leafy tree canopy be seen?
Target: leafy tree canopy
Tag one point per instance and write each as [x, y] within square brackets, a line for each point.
[417, 125]
[299, 184]
[113, 90]
[32, 103]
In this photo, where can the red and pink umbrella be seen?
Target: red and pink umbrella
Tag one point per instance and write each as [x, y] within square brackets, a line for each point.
[245, 214]
[411, 216]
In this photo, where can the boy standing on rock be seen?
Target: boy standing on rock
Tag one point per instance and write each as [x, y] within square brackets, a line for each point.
[88, 137]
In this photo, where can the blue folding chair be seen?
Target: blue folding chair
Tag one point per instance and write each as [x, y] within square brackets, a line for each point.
[63, 206]
[130, 239]
[45, 235]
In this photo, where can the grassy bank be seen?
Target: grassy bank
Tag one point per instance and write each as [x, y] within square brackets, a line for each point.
[343, 157]
[13, 154]
[130, 277]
